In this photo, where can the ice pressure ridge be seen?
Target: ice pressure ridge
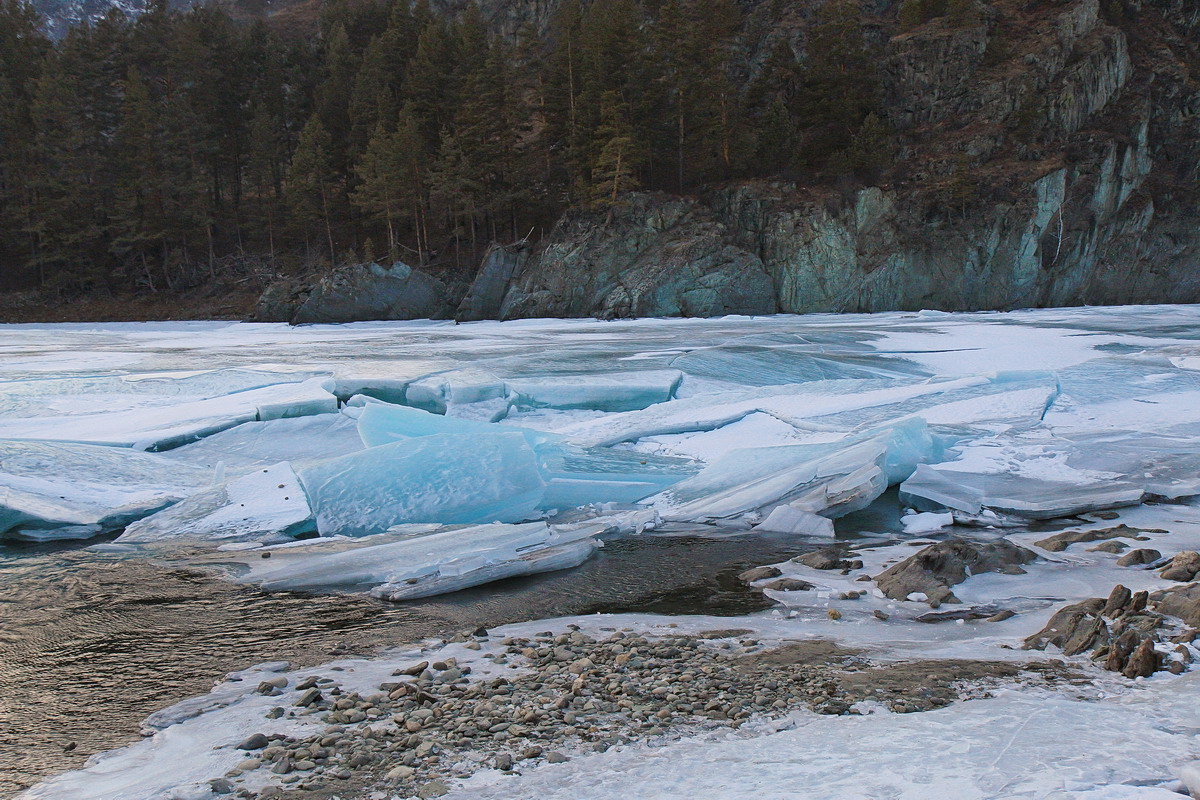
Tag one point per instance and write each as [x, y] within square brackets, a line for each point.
[427, 469]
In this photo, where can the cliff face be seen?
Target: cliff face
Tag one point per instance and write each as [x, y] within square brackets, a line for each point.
[1050, 156]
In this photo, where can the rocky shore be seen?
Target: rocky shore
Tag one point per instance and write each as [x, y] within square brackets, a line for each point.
[559, 694]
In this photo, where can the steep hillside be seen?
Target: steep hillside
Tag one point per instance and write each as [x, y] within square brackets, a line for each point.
[1049, 155]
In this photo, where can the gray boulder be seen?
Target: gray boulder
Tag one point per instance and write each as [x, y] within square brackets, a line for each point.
[357, 292]
[934, 569]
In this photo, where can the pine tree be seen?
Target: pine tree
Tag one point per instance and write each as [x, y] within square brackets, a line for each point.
[22, 50]
[390, 178]
[614, 168]
[139, 210]
[312, 181]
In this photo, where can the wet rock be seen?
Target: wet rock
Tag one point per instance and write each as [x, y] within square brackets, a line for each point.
[822, 559]
[255, 741]
[788, 585]
[974, 612]
[415, 669]
[1118, 600]
[1061, 541]
[759, 573]
[555, 757]
[1183, 567]
[1001, 616]
[934, 569]
[1112, 546]
[1138, 557]
[432, 789]
[1180, 601]
[310, 697]
[1143, 662]
[1120, 650]
[221, 786]
[1073, 629]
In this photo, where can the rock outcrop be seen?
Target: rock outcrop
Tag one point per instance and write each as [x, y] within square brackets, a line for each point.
[652, 255]
[1133, 633]
[357, 292]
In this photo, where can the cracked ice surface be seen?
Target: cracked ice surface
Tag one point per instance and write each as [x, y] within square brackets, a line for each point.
[725, 422]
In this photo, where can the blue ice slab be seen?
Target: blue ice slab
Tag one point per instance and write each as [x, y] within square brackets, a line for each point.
[577, 476]
[448, 478]
[382, 423]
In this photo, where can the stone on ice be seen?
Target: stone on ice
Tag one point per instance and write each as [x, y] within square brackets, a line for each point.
[446, 478]
[61, 490]
[265, 505]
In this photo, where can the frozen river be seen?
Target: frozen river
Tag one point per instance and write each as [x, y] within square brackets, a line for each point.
[641, 464]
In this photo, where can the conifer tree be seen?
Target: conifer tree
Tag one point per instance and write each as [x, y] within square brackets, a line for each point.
[614, 168]
[312, 181]
[390, 177]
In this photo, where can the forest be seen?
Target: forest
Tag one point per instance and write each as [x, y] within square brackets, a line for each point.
[150, 154]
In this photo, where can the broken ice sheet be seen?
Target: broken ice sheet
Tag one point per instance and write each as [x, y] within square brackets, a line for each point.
[577, 476]
[401, 567]
[610, 391]
[1037, 475]
[383, 423]
[253, 445]
[264, 505]
[448, 478]
[574, 476]
[831, 479]
[61, 490]
[164, 427]
[34, 397]
[775, 359]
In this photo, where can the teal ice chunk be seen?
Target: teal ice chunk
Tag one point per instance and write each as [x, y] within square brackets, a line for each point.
[382, 423]
[577, 476]
[448, 478]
